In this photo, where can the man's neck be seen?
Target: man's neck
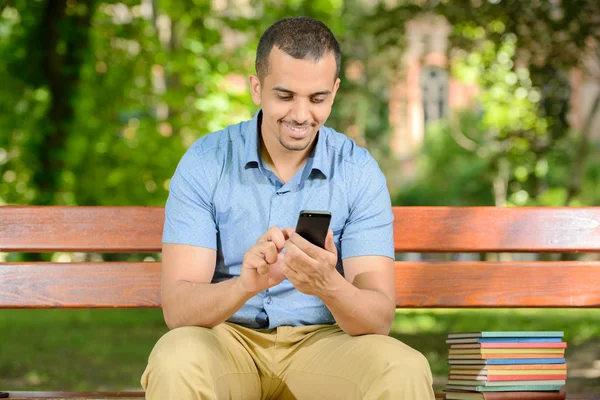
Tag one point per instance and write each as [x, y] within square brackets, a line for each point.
[284, 163]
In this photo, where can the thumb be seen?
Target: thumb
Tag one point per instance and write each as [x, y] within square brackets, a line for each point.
[329, 243]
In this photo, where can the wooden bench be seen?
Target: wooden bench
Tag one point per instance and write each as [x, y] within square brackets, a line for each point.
[455, 284]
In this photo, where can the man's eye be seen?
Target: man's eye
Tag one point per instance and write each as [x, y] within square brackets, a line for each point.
[317, 101]
[284, 98]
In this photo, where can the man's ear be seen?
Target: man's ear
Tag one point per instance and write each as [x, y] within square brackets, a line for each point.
[336, 86]
[255, 88]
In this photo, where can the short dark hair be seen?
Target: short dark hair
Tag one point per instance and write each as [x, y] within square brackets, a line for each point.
[300, 37]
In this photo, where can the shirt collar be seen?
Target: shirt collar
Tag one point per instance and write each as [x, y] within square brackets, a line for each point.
[252, 148]
[317, 158]
[320, 161]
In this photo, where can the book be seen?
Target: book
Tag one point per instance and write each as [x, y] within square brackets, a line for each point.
[464, 382]
[497, 334]
[495, 378]
[509, 361]
[516, 388]
[522, 367]
[554, 395]
[503, 355]
[510, 345]
[506, 350]
[479, 372]
[505, 339]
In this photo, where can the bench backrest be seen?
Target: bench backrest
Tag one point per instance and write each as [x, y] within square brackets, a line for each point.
[416, 230]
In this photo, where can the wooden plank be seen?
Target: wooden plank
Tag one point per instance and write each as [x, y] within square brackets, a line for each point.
[417, 229]
[101, 229]
[418, 284]
[491, 229]
[497, 284]
[80, 285]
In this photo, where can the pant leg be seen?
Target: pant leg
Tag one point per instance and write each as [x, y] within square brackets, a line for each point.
[201, 363]
[329, 364]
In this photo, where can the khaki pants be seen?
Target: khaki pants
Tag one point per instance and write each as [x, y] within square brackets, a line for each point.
[306, 362]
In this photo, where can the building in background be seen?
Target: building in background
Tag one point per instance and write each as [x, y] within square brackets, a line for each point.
[428, 92]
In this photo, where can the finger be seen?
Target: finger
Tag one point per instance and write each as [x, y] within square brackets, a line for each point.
[274, 235]
[287, 232]
[329, 243]
[268, 251]
[275, 273]
[287, 270]
[263, 268]
[305, 246]
[256, 261]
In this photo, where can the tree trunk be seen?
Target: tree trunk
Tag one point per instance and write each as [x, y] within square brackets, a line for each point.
[64, 41]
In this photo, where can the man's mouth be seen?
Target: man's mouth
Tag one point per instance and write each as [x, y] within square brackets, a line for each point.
[297, 132]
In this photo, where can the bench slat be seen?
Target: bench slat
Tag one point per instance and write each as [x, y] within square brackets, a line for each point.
[497, 284]
[416, 229]
[491, 229]
[86, 229]
[418, 284]
[80, 285]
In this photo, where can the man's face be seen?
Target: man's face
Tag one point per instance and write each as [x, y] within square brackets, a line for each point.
[296, 98]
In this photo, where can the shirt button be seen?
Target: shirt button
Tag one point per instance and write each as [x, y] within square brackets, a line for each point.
[269, 300]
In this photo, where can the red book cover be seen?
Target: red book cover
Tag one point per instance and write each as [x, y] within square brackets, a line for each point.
[512, 366]
[503, 355]
[514, 395]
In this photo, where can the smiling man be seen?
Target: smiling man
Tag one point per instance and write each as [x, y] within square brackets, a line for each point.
[255, 311]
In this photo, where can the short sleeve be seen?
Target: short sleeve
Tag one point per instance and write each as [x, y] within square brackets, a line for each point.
[368, 230]
[189, 217]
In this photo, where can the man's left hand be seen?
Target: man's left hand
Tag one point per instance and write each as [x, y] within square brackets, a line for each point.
[310, 268]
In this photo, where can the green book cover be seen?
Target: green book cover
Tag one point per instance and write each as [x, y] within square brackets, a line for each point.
[521, 388]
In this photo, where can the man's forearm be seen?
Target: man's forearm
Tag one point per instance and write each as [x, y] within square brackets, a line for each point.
[359, 311]
[202, 304]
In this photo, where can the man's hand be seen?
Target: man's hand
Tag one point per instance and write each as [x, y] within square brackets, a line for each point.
[310, 268]
[261, 264]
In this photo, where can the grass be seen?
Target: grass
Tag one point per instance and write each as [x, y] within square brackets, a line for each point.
[107, 349]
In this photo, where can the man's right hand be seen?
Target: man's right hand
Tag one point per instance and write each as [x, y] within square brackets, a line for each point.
[260, 267]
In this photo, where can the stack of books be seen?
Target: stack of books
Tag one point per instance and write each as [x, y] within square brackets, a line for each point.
[506, 365]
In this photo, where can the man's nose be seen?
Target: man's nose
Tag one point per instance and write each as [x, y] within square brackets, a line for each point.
[301, 112]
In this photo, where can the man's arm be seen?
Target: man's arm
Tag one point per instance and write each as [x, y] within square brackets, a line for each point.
[188, 298]
[363, 302]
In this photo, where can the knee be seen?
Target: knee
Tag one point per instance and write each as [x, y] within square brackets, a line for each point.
[183, 349]
[396, 359]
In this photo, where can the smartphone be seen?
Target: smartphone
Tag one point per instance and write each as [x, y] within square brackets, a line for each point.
[313, 226]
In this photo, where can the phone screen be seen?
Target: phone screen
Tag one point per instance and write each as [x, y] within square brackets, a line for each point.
[313, 225]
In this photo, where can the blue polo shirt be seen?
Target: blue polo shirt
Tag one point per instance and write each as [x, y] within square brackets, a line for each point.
[224, 197]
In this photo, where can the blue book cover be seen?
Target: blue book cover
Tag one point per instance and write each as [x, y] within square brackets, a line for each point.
[510, 361]
[520, 340]
[504, 334]
[507, 340]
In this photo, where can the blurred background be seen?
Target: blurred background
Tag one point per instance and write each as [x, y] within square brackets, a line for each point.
[462, 102]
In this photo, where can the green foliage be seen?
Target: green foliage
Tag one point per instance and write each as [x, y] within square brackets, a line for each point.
[449, 174]
[137, 92]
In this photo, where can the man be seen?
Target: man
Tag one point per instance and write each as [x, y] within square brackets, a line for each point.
[255, 310]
